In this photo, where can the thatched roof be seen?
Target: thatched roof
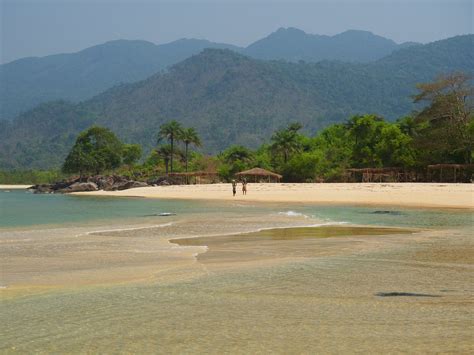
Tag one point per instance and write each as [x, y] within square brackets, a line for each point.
[259, 172]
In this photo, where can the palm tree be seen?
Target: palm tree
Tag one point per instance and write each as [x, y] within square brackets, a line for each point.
[164, 152]
[189, 136]
[173, 132]
[286, 141]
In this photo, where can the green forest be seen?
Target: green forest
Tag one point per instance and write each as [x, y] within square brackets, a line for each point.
[443, 132]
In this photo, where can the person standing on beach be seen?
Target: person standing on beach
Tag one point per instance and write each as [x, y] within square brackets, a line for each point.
[244, 187]
[234, 187]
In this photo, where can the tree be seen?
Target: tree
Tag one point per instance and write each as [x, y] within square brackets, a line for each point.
[449, 114]
[172, 131]
[189, 136]
[378, 143]
[336, 145]
[235, 158]
[131, 153]
[365, 131]
[96, 149]
[164, 152]
[286, 141]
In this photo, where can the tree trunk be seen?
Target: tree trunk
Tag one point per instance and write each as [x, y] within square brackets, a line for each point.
[186, 156]
[166, 166]
[171, 158]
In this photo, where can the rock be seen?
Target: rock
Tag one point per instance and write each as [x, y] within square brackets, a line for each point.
[80, 187]
[131, 185]
[163, 181]
[42, 189]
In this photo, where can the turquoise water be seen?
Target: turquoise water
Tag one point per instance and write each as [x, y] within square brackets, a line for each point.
[22, 208]
[390, 216]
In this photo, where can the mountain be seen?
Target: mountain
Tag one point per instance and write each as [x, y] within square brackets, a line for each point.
[28, 82]
[292, 44]
[233, 99]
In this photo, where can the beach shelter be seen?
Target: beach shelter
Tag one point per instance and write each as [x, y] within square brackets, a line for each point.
[259, 174]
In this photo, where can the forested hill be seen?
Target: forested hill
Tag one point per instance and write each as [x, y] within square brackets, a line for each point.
[233, 99]
[28, 82]
[77, 76]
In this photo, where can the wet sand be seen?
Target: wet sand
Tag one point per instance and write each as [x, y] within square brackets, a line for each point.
[335, 293]
[430, 195]
[256, 281]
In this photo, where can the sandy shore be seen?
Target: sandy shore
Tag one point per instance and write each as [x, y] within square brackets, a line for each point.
[14, 187]
[432, 195]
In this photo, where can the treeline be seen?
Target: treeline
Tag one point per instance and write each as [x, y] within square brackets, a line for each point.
[443, 132]
[19, 177]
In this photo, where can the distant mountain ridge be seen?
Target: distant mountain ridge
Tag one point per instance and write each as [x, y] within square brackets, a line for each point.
[27, 82]
[293, 44]
[234, 99]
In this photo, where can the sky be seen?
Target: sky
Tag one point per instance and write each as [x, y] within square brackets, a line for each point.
[44, 27]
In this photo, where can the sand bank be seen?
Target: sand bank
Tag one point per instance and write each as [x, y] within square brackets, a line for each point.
[431, 195]
[14, 187]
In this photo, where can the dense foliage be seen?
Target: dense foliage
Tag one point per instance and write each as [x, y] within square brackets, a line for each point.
[440, 133]
[96, 150]
[232, 99]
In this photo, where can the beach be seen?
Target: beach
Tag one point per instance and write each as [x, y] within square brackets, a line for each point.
[428, 195]
[14, 187]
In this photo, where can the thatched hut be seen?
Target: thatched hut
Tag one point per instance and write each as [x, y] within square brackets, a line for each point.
[451, 172]
[376, 175]
[260, 175]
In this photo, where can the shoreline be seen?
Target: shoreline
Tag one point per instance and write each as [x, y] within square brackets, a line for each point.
[411, 195]
[14, 187]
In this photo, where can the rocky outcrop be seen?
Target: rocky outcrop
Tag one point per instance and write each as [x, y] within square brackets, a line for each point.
[79, 187]
[163, 181]
[92, 183]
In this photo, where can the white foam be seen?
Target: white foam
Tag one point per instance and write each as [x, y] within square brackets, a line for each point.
[293, 214]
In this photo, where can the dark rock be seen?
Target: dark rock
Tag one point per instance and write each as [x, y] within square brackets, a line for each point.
[163, 181]
[131, 185]
[80, 187]
[394, 213]
[404, 294]
[42, 189]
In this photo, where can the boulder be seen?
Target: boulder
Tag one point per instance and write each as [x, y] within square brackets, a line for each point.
[42, 189]
[131, 185]
[80, 187]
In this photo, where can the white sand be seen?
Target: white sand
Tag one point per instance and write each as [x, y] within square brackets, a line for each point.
[14, 187]
[436, 195]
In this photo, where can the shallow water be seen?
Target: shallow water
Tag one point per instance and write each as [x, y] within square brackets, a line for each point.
[116, 284]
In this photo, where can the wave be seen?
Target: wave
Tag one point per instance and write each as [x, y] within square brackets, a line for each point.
[293, 214]
[125, 229]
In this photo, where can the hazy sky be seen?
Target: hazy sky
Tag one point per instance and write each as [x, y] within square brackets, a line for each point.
[42, 27]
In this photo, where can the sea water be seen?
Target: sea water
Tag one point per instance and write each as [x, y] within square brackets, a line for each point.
[102, 275]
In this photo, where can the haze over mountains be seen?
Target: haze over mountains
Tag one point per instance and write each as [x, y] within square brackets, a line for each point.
[231, 98]
[28, 82]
